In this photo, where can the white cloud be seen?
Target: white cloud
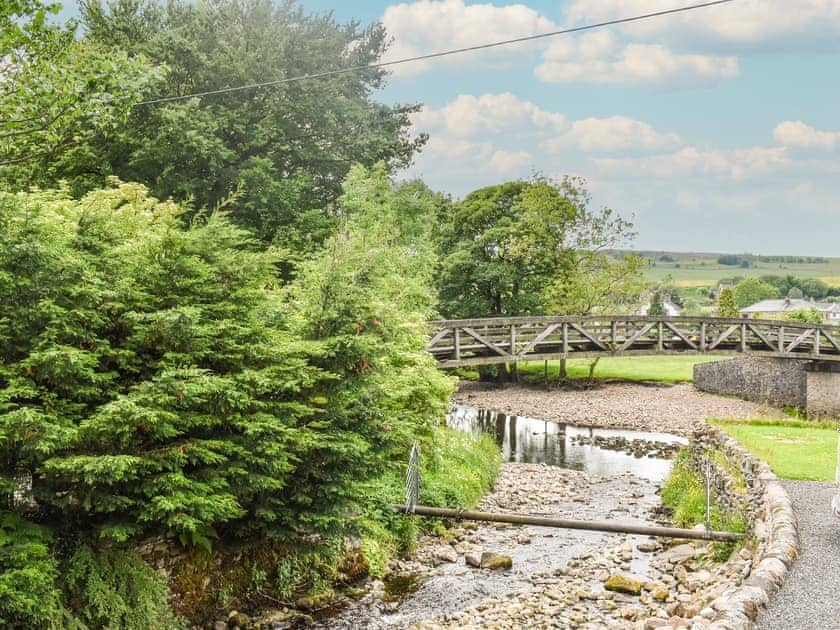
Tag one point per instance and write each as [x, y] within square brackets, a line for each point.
[689, 161]
[617, 133]
[599, 57]
[428, 26]
[468, 116]
[510, 164]
[798, 134]
[734, 26]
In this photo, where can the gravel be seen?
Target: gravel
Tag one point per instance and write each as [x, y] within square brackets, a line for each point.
[675, 409]
[809, 599]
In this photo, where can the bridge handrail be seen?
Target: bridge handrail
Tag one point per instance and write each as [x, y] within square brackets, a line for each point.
[569, 319]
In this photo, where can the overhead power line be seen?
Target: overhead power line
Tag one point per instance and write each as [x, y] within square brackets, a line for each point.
[435, 55]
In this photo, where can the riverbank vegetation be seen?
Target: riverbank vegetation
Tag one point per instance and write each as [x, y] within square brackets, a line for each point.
[684, 495]
[795, 449]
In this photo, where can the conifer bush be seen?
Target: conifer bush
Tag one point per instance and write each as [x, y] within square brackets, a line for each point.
[157, 379]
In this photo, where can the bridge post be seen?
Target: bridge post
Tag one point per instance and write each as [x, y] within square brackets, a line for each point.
[703, 337]
[457, 334]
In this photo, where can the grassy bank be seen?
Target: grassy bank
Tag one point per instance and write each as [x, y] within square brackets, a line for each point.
[663, 368]
[794, 449]
[684, 493]
[456, 470]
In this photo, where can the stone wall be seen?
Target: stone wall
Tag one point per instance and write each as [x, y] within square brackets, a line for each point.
[779, 382]
[823, 389]
[812, 386]
[773, 537]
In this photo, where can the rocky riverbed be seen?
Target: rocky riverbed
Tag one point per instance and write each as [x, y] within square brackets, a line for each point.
[674, 409]
[559, 578]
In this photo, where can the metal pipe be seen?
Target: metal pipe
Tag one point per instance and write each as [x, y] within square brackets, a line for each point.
[601, 526]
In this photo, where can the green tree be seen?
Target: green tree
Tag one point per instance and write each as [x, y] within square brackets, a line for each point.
[58, 94]
[287, 147]
[657, 308]
[751, 290]
[601, 283]
[726, 306]
[511, 249]
[806, 315]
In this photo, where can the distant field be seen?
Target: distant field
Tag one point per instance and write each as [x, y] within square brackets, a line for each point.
[701, 270]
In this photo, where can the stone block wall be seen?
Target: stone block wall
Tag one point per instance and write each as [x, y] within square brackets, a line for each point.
[823, 390]
[774, 539]
[779, 382]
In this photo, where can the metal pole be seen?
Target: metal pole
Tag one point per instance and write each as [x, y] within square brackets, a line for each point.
[598, 526]
[708, 495]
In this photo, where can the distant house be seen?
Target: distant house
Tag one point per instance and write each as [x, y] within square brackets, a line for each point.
[777, 309]
[671, 309]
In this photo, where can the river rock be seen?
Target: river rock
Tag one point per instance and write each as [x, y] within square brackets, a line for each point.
[473, 559]
[495, 561]
[446, 554]
[623, 584]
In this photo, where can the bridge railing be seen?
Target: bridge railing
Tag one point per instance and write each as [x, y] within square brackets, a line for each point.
[505, 340]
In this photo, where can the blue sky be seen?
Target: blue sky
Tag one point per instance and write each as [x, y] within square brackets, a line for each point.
[717, 129]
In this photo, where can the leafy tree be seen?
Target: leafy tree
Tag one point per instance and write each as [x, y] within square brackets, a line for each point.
[809, 316]
[751, 290]
[57, 94]
[601, 283]
[657, 308]
[795, 293]
[510, 249]
[481, 272]
[287, 147]
[726, 306]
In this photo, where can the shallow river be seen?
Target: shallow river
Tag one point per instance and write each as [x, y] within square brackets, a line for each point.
[553, 470]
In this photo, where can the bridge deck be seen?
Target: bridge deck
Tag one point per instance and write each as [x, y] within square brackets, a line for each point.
[456, 343]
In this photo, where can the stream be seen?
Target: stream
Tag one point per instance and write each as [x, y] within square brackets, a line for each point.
[551, 470]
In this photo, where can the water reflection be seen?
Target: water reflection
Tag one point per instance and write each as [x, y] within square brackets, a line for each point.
[534, 441]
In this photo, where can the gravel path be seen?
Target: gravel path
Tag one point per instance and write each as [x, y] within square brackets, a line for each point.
[675, 409]
[809, 600]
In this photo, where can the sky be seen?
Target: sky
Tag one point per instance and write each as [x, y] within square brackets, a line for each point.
[715, 130]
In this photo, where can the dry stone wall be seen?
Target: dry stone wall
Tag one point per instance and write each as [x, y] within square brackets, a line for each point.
[774, 540]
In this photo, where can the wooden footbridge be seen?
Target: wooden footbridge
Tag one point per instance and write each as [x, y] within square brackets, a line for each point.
[456, 343]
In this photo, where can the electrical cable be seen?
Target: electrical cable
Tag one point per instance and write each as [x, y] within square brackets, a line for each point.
[445, 53]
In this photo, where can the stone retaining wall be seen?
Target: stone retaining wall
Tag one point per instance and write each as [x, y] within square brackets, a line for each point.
[774, 540]
[812, 386]
[778, 382]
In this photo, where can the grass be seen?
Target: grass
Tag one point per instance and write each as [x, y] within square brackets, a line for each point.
[684, 493]
[662, 368]
[794, 449]
[456, 470]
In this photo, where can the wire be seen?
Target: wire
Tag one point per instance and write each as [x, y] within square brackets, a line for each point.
[445, 53]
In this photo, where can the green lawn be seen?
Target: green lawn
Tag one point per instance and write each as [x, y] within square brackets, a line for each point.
[663, 368]
[795, 449]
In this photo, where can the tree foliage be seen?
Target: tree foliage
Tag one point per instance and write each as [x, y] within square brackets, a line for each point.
[751, 290]
[287, 147]
[157, 380]
[525, 248]
[58, 94]
[726, 306]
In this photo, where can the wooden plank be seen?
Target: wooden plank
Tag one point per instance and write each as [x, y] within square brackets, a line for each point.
[489, 344]
[457, 344]
[541, 337]
[440, 335]
[759, 334]
[799, 339]
[591, 338]
[639, 333]
[723, 336]
[681, 335]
